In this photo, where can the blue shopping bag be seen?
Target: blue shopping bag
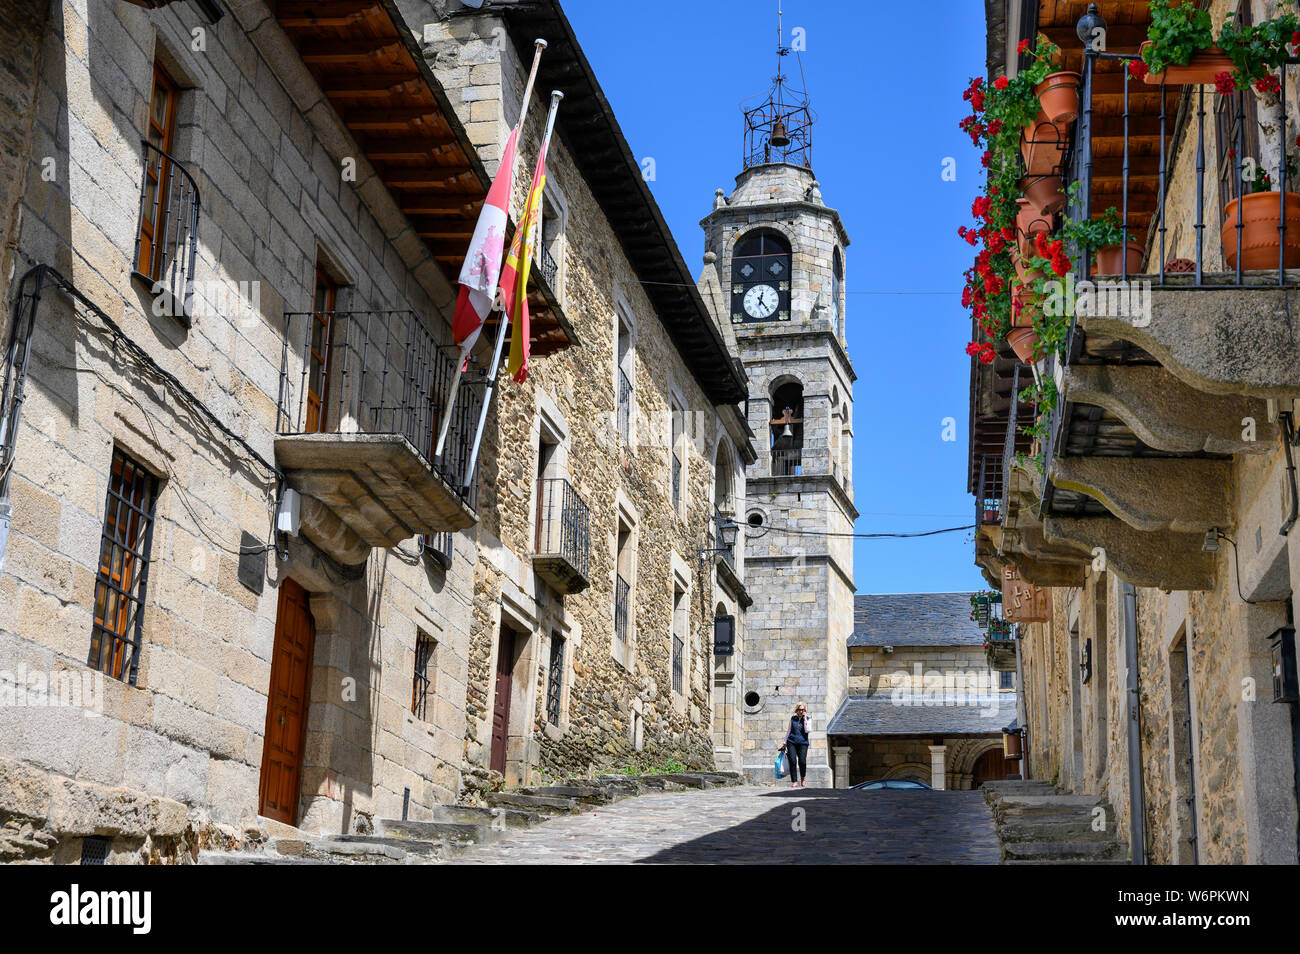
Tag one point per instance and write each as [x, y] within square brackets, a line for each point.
[780, 765]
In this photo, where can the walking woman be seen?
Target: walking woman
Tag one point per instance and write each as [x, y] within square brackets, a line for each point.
[796, 746]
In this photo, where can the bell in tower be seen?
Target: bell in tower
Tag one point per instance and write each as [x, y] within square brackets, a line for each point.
[779, 127]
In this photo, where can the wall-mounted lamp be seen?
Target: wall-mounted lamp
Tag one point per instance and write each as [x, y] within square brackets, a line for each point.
[728, 530]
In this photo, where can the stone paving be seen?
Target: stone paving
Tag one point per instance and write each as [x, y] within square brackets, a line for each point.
[757, 824]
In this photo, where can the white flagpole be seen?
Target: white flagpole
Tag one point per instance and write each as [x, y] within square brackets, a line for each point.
[538, 45]
[556, 96]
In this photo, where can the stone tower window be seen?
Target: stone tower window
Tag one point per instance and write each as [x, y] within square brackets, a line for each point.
[786, 430]
[837, 293]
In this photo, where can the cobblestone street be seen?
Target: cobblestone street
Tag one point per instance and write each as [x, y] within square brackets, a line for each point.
[760, 825]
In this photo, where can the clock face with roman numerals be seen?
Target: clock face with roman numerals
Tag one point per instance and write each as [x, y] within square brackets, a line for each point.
[761, 301]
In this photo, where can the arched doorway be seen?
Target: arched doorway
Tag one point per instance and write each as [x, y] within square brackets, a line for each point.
[992, 766]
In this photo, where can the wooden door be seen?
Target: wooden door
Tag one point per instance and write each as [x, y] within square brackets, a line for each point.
[501, 702]
[286, 705]
[319, 360]
[158, 186]
[992, 766]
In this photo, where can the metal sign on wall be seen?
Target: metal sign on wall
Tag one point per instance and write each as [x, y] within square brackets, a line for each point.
[1023, 602]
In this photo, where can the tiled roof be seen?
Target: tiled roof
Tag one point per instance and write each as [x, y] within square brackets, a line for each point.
[881, 715]
[914, 619]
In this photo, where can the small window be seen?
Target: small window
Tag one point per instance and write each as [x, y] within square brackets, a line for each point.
[555, 679]
[438, 547]
[426, 670]
[677, 454]
[680, 629]
[320, 363]
[1006, 680]
[124, 548]
[626, 357]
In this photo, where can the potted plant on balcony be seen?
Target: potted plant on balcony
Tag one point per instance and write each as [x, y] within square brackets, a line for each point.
[1103, 237]
[980, 608]
[1256, 52]
[1180, 45]
[1057, 92]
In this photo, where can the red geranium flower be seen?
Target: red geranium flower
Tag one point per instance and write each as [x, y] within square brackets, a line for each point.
[1224, 83]
[1268, 84]
[1022, 46]
[1138, 69]
[1000, 83]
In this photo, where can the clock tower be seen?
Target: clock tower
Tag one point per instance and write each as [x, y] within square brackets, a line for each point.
[774, 271]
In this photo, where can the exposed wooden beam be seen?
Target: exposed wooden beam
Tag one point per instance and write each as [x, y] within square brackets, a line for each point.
[409, 147]
[367, 120]
[333, 52]
[298, 14]
[372, 85]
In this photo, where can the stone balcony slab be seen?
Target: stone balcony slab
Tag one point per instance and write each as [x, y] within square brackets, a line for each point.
[367, 490]
[1224, 341]
[1165, 559]
[1167, 414]
[1183, 494]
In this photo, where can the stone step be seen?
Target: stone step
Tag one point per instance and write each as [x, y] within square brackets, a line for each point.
[544, 804]
[431, 848]
[209, 857]
[690, 780]
[1065, 861]
[342, 852]
[659, 783]
[1053, 831]
[590, 794]
[1063, 850]
[485, 815]
[445, 833]
[1049, 802]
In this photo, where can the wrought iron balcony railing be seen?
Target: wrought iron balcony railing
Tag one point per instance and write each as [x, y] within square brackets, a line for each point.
[378, 372]
[167, 238]
[1232, 129]
[549, 267]
[562, 547]
[988, 501]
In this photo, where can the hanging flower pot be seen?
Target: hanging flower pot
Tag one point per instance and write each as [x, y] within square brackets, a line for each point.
[1028, 222]
[1023, 341]
[1259, 235]
[1045, 193]
[1058, 97]
[1114, 260]
[1042, 146]
[1203, 67]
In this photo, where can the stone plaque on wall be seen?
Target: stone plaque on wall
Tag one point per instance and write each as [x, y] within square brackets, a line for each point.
[1022, 602]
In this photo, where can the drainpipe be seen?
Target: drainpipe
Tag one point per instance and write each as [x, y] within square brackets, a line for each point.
[1136, 799]
[1021, 715]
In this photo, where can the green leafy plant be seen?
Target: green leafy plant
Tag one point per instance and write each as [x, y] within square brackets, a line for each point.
[1257, 50]
[1088, 235]
[1178, 30]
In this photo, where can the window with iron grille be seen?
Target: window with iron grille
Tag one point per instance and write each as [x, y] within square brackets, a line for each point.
[124, 548]
[676, 450]
[438, 547]
[622, 590]
[555, 679]
[1006, 680]
[679, 652]
[426, 649]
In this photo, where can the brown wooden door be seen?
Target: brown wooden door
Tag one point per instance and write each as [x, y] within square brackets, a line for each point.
[992, 766]
[286, 705]
[320, 358]
[501, 703]
[158, 185]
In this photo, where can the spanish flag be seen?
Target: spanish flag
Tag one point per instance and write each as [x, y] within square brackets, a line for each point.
[514, 274]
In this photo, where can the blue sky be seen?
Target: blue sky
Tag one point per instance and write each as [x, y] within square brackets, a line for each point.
[885, 81]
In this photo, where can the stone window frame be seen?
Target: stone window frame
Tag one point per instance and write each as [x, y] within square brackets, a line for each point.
[792, 252]
[553, 197]
[679, 446]
[1184, 780]
[625, 316]
[625, 516]
[549, 424]
[424, 709]
[679, 609]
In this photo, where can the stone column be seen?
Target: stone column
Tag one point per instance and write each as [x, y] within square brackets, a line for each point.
[842, 765]
[937, 771]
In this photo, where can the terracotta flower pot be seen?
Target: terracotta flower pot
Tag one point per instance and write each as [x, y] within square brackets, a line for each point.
[1043, 145]
[1259, 235]
[1029, 221]
[1045, 193]
[1114, 260]
[1023, 341]
[1058, 96]
[1203, 67]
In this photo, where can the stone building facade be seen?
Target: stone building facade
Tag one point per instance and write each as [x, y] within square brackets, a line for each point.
[239, 589]
[774, 237]
[630, 418]
[923, 701]
[1174, 576]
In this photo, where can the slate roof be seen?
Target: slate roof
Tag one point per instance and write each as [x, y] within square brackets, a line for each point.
[881, 715]
[914, 619]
